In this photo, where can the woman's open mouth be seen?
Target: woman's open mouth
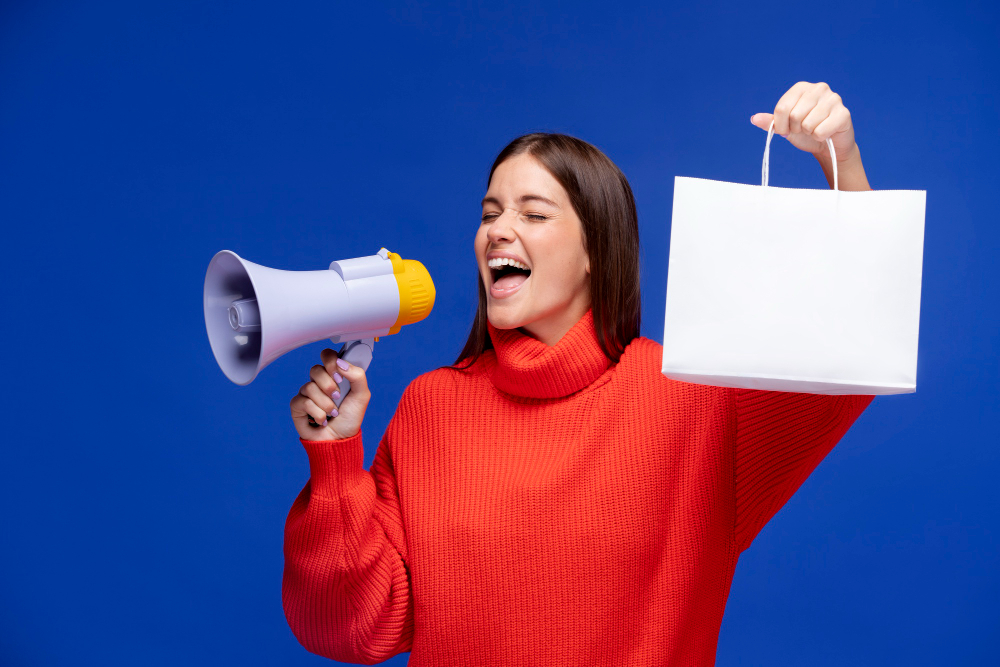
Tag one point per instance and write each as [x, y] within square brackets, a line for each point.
[508, 276]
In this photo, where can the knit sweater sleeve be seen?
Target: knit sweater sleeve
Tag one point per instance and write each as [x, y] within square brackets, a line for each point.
[780, 439]
[346, 586]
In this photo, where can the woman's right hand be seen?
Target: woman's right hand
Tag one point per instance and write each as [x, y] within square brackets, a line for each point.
[314, 399]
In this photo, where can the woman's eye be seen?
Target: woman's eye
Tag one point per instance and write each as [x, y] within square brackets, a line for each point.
[534, 217]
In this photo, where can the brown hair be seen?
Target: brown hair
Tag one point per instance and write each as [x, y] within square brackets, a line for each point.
[602, 199]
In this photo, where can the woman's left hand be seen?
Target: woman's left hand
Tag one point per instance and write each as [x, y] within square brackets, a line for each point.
[809, 114]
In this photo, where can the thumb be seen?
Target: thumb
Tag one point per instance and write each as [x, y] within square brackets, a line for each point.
[762, 120]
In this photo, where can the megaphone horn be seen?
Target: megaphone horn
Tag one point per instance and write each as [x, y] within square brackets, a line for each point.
[255, 314]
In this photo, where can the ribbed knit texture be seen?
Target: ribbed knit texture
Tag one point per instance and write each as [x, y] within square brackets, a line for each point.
[546, 508]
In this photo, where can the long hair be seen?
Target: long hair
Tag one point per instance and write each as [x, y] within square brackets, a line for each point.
[602, 199]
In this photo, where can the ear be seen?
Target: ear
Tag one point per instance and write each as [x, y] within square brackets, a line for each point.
[588, 267]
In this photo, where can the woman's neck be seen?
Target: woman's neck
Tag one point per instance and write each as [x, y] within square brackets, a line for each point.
[551, 329]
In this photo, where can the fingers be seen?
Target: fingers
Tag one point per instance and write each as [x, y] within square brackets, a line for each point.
[319, 375]
[317, 400]
[803, 107]
[319, 397]
[827, 105]
[800, 102]
[329, 358]
[785, 105]
[304, 407]
[339, 370]
[762, 120]
[838, 121]
[356, 376]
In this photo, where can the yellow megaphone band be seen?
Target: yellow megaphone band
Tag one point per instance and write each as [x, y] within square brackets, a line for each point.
[416, 291]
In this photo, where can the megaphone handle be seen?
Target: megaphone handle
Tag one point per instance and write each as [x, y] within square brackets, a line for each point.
[357, 353]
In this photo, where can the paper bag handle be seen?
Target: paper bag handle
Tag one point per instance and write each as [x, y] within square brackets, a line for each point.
[767, 153]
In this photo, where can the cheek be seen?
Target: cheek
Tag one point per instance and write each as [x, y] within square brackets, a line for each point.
[569, 260]
[479, 247]
[482, 237]
[572, 275]
[566, 274]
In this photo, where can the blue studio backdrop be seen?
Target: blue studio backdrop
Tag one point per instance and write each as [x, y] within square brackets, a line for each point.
[144, 494]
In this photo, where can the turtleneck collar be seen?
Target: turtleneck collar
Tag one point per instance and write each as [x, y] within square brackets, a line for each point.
[530, 368]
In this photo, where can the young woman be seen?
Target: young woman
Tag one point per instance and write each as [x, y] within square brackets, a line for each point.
[551, 499]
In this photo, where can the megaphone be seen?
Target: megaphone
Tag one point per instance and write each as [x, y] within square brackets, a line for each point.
[255, 314]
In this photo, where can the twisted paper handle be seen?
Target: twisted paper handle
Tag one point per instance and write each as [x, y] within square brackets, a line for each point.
[767, 153]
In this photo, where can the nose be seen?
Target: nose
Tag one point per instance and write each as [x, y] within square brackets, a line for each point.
[500, 230]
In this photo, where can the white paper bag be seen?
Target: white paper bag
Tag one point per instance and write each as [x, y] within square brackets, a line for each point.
[813, 291]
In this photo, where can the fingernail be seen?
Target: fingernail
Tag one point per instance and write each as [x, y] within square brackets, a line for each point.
[334, 412]
[324, 423]
[752, 117]
[343, 364]
[337, 378]
[335, 395]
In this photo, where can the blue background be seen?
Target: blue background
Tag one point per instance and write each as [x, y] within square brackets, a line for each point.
[144, 495]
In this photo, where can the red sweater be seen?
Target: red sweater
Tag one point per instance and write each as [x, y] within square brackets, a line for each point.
[546, 508]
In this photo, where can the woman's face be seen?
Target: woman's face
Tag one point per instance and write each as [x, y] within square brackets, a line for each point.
[528, 219]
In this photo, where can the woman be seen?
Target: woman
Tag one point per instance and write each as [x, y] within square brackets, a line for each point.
[551, 499]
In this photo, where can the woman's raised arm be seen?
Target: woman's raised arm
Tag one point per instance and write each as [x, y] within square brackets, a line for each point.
[780, 439]
[346, 589]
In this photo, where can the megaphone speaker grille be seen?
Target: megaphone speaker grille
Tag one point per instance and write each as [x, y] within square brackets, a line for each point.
[237, 352]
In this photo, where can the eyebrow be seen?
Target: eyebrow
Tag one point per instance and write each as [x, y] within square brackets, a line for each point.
[521, 200]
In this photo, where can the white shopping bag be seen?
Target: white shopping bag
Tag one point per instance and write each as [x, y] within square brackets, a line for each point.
[814, 291]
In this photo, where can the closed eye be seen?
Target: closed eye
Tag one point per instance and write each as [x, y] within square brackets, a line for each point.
[490, 217]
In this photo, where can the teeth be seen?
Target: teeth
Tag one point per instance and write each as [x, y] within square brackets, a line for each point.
[504, 261]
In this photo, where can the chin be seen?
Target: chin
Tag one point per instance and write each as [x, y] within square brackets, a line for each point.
[503, 318]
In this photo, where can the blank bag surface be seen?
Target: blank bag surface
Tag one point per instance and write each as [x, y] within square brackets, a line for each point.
[813, 291]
